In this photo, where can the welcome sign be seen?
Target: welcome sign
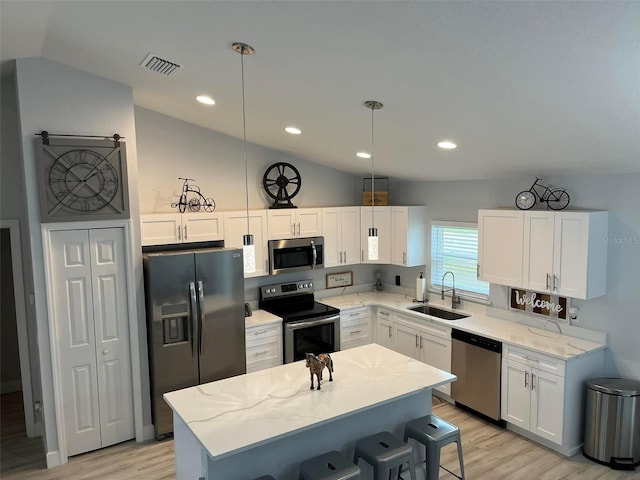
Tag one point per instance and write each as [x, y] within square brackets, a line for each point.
[544, 304]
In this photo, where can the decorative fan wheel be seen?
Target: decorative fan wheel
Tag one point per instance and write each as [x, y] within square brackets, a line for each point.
[282, 182]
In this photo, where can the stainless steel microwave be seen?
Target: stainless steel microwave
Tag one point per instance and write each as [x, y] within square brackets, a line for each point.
[295, 254]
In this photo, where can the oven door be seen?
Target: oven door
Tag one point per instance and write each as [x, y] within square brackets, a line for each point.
[311, 336]
[295, 254]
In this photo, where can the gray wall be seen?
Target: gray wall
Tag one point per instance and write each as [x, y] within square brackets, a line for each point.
[615, 313]
[169, 148]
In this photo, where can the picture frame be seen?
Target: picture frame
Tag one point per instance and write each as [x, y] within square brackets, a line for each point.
[339, 280]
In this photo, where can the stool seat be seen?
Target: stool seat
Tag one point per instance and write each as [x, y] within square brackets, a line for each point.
[434, 433]
[265, 477]
[385, 453]
[329, 466]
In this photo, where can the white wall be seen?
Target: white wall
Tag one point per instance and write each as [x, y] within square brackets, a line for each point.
[169, 148]
[617, 313]
[63, 100]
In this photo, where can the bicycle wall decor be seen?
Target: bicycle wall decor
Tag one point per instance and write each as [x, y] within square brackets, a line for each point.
[192, 199]
[555, 198]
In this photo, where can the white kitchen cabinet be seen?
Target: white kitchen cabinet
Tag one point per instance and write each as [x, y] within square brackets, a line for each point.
[426, 341]
[341, 231]
[500, 246]
[381, 221]
[408, 236]
[167, 228]
[355, 327]
[90, 324]
[235, 227]
[264, 346]
[384, 328]
[542, 396]
[565, 253]
[294, 223]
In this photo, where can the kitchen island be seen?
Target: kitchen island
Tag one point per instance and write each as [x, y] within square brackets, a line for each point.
[268, 422]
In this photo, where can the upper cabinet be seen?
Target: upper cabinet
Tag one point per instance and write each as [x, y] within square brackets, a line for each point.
[341, 231]
[165, 228]
[408, 236]
[294, 223]
[235, 227]
[381, 217]
[563, 253]
[500, 240]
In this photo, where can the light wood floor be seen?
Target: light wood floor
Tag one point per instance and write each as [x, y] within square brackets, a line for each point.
[490, 453]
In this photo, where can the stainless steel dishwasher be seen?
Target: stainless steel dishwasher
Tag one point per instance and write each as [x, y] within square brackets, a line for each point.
[476, 361]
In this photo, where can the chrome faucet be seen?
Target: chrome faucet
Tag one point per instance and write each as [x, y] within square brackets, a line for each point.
[455, 299]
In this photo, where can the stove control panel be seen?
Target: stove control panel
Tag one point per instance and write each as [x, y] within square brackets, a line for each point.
[284, 289]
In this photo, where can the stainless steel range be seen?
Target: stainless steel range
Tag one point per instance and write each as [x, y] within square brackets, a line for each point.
[308, 326]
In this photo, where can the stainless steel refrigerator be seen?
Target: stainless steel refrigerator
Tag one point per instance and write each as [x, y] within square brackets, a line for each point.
[195, 322]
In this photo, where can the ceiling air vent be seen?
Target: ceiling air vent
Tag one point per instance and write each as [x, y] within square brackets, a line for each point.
[160, 65]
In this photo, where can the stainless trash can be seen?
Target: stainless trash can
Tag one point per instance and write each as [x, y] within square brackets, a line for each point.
[612, 422]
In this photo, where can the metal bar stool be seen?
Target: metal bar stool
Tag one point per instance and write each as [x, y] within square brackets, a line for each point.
[386, 454]
[329, 466]
[434, 433]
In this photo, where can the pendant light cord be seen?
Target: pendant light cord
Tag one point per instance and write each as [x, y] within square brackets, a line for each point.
[244, 138]
[373, 181]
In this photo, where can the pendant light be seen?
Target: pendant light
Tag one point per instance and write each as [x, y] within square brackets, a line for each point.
[372, 239]
[248, 247]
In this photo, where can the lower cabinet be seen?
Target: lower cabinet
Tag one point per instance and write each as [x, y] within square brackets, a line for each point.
[384, 328]
[355, 327]
[264, 346]
[543, 395]
[426, 341]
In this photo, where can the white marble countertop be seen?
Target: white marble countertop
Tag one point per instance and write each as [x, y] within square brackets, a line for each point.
[235, 414]
[548, 342]
[261, 317]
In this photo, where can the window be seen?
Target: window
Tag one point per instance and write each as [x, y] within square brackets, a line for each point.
[454, 247]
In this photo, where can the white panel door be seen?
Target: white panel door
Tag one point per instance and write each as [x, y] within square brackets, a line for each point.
[407, 341]
[381, 221]
[436, 351]
[308, 222]
[235, 227]
[74, 330]
[516, 393]
[202, 227]
[350, 235]
[281, 223]
[571, 255]
[110, 313]
[332, 232]
[500, 246]
[399, 235]
[538, 250]
[547, 405]
[160, 228]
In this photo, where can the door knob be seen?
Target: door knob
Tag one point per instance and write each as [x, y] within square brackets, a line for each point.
[105, 351]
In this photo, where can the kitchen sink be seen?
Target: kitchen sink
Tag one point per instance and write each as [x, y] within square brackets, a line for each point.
[438, 312]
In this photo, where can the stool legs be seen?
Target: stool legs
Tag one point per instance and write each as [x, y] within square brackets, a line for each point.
[459, 444]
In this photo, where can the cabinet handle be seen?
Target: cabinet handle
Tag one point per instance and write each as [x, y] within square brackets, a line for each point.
[389, 331]
[420, 342]
[548, 280]
[526, 379]
[260, 332]
[298, 228]
[555, 282]
[355, 332]
[382, 312]
[533, 382]
[185, 232]
[179, 233]
[416, 341]
[345, 256]
[293, 229]
[264, 352]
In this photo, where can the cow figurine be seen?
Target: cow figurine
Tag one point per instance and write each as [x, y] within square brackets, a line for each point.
[316, 364]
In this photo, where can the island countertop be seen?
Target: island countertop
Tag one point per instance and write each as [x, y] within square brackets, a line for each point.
[235, 414]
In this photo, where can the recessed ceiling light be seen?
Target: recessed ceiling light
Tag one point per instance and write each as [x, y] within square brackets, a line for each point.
[206, 99]
[447, 145]
[293, 130]
[363, 155]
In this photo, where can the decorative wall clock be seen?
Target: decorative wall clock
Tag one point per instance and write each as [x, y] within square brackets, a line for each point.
[81, 179]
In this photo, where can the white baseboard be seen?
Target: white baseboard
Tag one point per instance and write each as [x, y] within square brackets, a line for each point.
[11, 386]
[53, 459]
[149, 432]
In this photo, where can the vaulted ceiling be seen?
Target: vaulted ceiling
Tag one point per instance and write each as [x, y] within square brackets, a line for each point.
[523, 87]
